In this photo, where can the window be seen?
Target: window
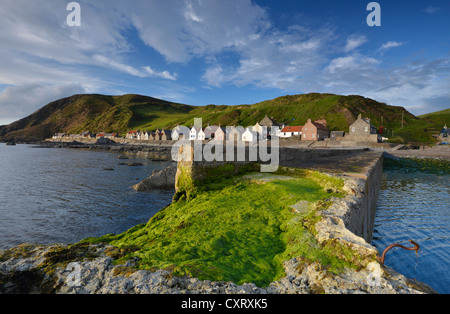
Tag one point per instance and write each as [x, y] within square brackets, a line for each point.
[367, 129]
[314, 135]
[304, 135]
[353, 129]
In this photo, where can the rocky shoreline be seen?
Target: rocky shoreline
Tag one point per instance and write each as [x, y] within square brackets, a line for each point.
[108, 145]
[90, 269]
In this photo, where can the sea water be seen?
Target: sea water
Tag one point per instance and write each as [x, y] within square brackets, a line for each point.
[414, 204]
[62, 195]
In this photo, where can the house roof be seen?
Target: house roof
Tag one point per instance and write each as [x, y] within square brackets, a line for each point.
[212, 129]
[320, 126]
[268, 122]
[292, 129]
[366, 120]
[235, 129]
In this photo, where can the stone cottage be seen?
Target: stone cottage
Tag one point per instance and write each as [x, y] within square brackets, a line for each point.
[266, 128]
[362, 130]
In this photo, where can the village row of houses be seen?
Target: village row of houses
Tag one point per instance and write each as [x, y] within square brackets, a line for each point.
[360, 130]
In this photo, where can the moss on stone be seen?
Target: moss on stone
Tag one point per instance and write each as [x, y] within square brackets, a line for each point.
[239, 228]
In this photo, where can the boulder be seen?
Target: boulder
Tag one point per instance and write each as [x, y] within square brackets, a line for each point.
[159, 180]
[105, 141]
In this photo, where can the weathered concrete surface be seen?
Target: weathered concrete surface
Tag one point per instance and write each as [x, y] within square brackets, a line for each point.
[358, 209]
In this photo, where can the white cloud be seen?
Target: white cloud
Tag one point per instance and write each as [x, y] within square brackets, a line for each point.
[164, 74]
[190, 14]
[274, 59]
[108, 62]
[214, 76]
[181, 30]
[391, 44]
[432, 9]
[235, 41]
[351, 63]
[354, 42]
[19, 101]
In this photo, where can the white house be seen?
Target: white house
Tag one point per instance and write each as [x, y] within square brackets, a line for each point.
[111, 135]
[290, 131]
[58, 136]
[180, 132]
[214, 132]
[142, 135]
[132, 135]
[234, 133]
[260, 130]
[250, 136]
[197, 134]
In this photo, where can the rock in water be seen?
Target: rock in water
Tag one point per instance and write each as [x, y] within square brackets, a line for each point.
[105, 141]
[163, 179]
[135, 164]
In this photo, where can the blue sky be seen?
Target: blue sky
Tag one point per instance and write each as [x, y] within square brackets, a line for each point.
[229, 52]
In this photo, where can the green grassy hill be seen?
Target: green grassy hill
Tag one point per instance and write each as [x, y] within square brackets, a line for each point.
[119, 114]
[437, 120]
[96, 113]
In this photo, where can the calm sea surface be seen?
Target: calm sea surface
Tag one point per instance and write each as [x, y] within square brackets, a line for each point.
[414, 204]
[65, 195]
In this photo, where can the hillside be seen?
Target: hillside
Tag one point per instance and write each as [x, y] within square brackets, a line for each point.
[121, 113]
[437, 120]
[95, 113]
